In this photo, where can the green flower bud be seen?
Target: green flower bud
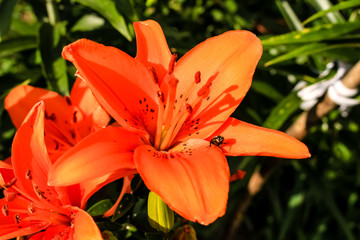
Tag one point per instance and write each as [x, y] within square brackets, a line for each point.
[160, 216]
[185, 232]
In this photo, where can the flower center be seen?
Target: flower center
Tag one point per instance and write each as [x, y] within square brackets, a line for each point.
[175, 111]
[22, 208]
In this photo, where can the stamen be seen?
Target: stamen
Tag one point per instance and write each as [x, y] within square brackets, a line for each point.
[5, 210]
[172, 63]
[38, 192]
[161, 96]
[188, 108]
[155, 76]
[31, 208]
[10, 184]
[170, 101]
[28, 175]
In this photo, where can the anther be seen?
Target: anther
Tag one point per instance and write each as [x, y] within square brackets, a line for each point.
[197, 77]
[188, 108]
[28, 175]
[155, 76]
[172, 63]
[161, 96]
[31, 208]
[5, 210]
[38, 192]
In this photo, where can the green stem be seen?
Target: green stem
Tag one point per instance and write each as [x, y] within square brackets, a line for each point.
[52, 11]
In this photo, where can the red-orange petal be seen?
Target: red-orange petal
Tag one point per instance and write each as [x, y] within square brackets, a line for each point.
[22, 98]
[88, 188]
[122, 84]
[85, 227]
[152, 48]
[29, 155]
[106, 151]
[59, 113]
[244, 139]
[82, 97]
[192, 178]
[14, 231]
[229, 60]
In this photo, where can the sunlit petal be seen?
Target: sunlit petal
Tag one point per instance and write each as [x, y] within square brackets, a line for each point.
[192, 178]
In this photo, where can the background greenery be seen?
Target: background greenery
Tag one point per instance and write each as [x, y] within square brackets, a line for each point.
[316, 198]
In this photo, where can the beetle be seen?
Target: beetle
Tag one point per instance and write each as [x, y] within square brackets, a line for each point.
[217, 141]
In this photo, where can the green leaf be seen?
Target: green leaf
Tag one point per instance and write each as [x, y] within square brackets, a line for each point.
[314, 34]
[107, 9]
[339, 6]
[15, 45]
[267, 90]
[282, 111]
[289, 15]
[6, 10]
[99, 208]
[309, 49]
[88, 22]
[126, 203]
[54, 66]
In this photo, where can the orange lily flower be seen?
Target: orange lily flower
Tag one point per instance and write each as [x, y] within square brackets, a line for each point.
[68, 120]
[176, 107]
[30, 206]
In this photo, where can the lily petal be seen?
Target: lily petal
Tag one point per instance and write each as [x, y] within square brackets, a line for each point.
[22, 98]
[85, 227]
[105, 151]
[243, 139]
[82, 97]
[226, 64]
[29, 155]
[152, 49]
[122, 84]
[88, 188]
[15, 231]
[192, 178]
[59, 113]
[58, 232]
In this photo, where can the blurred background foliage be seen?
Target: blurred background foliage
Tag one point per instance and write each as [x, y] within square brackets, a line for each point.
[317, 198]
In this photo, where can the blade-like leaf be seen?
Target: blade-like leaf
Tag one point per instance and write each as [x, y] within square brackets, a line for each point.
[282, 111]
[88, 22]
[126, 203]
[6, 10]
[100, 207]
[339, 6]
[15, 45]
[107, 9]
[314, 34]
[54, 66]
[309, 49]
